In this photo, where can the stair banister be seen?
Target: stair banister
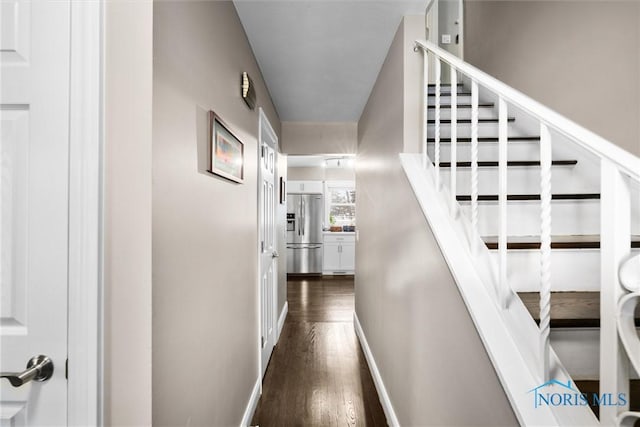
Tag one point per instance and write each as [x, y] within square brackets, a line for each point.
[618, 169]
[474, 160]
[597, 145]
[453, 202]
[545, 248]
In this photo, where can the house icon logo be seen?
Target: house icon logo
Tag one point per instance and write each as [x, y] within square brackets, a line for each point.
[557, 393]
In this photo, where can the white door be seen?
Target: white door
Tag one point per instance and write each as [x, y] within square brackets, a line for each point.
[268, 143]
[34, 179]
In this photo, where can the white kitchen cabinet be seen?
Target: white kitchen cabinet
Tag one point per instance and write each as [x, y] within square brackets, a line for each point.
[305, 187]
[339, 253]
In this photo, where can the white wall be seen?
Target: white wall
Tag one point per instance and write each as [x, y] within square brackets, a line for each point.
[319, 137]
[321, 174]
[205, 228]
[127, 210]
[427, 349]
[581, 58]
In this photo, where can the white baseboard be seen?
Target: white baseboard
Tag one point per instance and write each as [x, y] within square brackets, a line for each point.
[282, 318]
[252, 404]
[392, 419]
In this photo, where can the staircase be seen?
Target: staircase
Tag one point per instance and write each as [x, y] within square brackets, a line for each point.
[516, 196]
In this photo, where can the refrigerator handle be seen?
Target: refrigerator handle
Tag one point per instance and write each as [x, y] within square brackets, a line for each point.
[299, 215]
[304, 219]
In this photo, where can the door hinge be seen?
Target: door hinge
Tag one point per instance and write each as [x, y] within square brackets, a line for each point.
[262, 246]
[66, 369]
[262, 342]
[262, 151]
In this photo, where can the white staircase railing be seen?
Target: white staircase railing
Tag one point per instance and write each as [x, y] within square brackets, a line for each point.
[620, 271]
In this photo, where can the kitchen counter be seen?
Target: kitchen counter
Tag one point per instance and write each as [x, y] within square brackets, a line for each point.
[339, 232]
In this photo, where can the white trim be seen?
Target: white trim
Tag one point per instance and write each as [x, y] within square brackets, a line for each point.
[85, 204]
[252, 404]
[282, 318]
[389, 412]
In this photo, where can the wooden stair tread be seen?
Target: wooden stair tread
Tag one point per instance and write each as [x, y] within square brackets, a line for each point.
[468, 121]
[488, 139]
[585, 241]
[445, 85]
[485, 164]
[523, 197]
[569, 309]
[465, 105]
[448, 93]
[593, 386]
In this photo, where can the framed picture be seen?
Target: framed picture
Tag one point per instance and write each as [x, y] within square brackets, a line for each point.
[227, 151]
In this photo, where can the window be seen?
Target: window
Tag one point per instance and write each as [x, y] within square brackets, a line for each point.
[341, 203]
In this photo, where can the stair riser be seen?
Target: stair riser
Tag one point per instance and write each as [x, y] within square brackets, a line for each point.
[444, 88]
[569, 218]
[484, 130]
[579, 350]
[446, 99]
[521, 180]
[463, 113]
[571, 269]
[520, 150]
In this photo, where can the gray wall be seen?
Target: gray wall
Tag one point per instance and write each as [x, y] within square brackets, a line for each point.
[205, 290]
[321, 174]
[581, 58]
[418, 327]
[127, 211]
[319, 137]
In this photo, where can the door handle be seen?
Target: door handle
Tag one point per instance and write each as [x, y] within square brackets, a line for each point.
[39, 368]
[275, 254]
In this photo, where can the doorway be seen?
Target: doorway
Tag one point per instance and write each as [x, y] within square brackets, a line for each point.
[268, 254]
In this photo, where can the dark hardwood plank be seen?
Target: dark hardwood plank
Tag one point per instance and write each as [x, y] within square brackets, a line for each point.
[586, 241]
[318, 375]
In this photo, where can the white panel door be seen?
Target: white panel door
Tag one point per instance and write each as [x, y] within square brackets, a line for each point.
[34, 151]
[268, 245]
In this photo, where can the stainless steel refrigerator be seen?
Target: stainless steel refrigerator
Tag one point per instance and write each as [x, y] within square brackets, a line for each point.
[304, 233]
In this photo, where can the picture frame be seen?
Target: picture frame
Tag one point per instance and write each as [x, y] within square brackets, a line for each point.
[226, 151]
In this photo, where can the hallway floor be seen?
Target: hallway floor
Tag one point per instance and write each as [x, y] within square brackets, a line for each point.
[318, 375]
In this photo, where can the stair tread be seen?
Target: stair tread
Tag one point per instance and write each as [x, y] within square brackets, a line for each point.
[447, 93]
[480, 105]
[593, 386]
[584, 241]
[488, 139]
[444, 85]
[569, 309]
[486, 164]
[523, 197]
[467, 121]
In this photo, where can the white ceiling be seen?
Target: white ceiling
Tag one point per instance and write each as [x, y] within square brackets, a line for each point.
[320, 59]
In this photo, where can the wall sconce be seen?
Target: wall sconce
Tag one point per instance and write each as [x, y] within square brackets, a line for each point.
[248, 91]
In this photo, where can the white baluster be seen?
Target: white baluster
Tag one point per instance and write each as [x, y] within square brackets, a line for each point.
[437, 123]
[425, 106]
[453, 203]
[545, 247]
[502, 200]
[474, 160]
[615, 244]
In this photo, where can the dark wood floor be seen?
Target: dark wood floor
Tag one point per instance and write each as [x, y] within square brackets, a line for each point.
[318, 375]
